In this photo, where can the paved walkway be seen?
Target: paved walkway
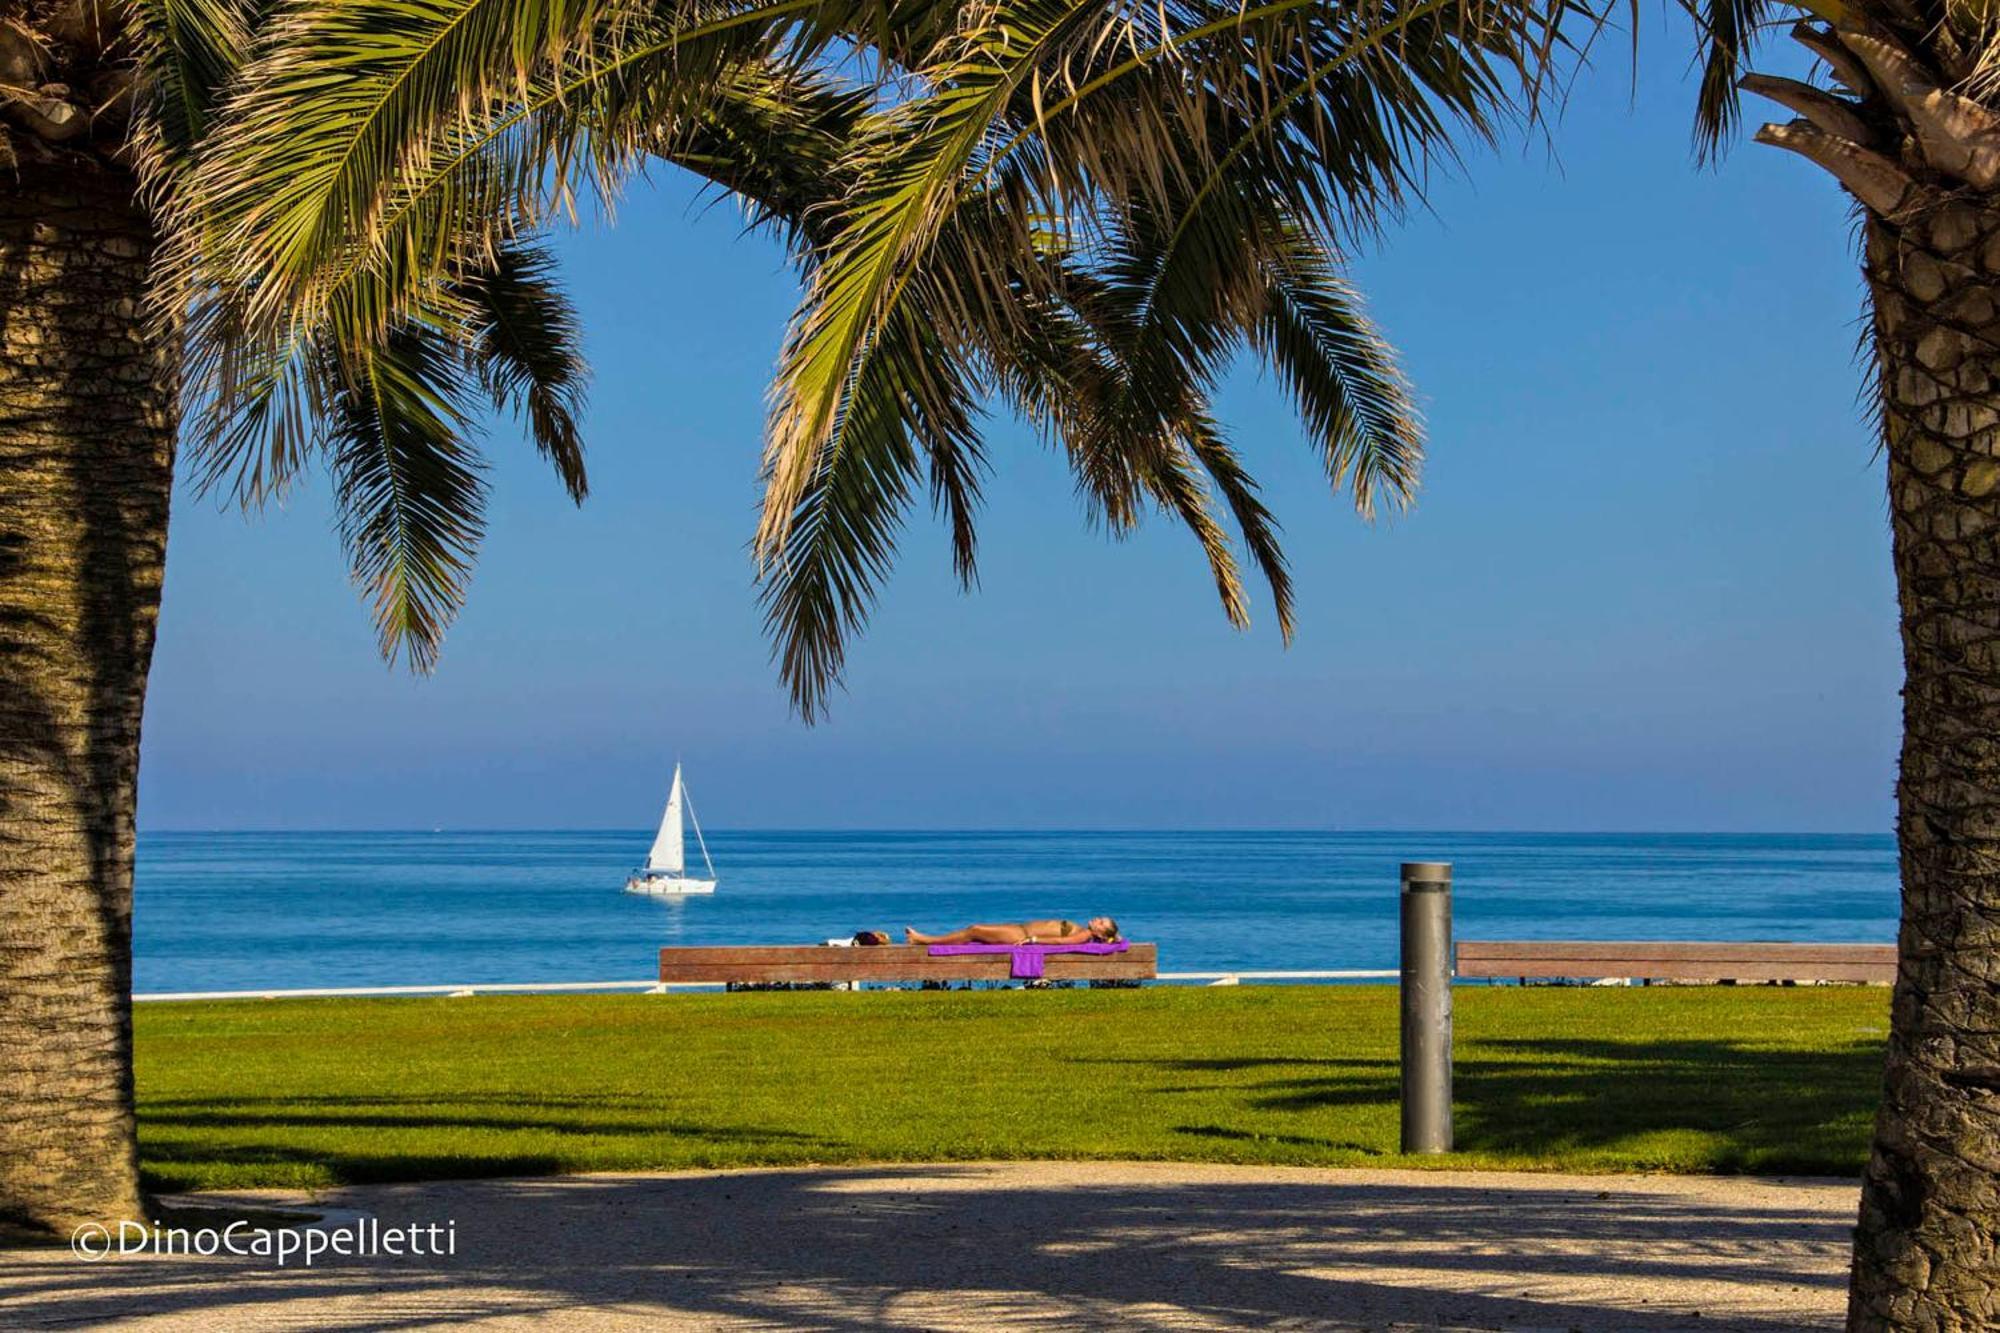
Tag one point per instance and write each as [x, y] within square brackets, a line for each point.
[1017, 1245]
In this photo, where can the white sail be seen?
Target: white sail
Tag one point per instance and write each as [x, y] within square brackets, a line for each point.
[667, 855]
[665, 871]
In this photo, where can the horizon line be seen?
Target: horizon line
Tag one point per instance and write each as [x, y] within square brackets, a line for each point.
[1044, 831]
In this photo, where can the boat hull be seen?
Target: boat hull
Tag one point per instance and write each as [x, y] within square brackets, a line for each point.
[671, 886]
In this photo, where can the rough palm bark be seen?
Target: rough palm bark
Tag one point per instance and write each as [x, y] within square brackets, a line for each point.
[1926, 1252]
[86, 452]
[1923, 161]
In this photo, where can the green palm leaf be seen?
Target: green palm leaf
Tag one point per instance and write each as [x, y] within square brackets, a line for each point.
[916, 158]
[410, 491]
[1254, 520]
[1350, 109]
[397, 418]
[525, 347]
[191, 50]
[350, 104]
[1727, 27]
[1342, 375]
[818, 591]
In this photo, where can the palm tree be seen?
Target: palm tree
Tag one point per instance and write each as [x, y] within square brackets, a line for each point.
[101, 107]
[1908, 122]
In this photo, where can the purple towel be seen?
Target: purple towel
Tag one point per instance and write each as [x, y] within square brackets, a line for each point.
[1027, 957]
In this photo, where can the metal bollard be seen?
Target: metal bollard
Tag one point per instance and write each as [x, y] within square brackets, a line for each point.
[1426, 1002]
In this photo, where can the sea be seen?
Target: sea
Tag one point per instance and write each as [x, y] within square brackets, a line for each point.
[250, 911]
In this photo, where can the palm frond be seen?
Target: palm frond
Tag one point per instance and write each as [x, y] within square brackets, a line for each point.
[1259, 529]
[1350, 104]
[253, 403]
[1342, 374]
[911, 166]
[1726, 29]
[1175, 480]
[774, 137]
[526, 348]
[191, 50]
[348, 99]
[818, 591]
[409, 489]
[957, 466]
[396, 420]
[370, 131]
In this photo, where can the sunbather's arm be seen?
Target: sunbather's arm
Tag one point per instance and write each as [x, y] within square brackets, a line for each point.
[1079, 936]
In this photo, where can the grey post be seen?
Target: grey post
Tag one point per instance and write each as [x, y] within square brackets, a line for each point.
[1426, 997]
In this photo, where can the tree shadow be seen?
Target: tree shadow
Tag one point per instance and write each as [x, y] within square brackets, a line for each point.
[179, 1135]
[1768, 1109]
[869, 1248]
[390, 1114]
[1754, 1107]
[1227, 1134]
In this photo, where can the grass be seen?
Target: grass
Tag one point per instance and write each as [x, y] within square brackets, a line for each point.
[314, 1092]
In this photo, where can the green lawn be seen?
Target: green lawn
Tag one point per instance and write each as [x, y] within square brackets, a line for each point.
[308, 1092]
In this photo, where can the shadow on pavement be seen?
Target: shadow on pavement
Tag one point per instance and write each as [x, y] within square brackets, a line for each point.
[1069, 1244]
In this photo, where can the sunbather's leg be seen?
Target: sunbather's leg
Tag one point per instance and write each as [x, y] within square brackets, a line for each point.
[970, 935]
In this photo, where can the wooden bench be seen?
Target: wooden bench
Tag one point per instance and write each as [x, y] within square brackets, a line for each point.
[1675, 960]
[889, 962]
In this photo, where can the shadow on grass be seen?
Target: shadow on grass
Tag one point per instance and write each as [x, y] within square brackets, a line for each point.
[1754, 1108]
[177, 1135]
[1226, 1134]
[1595, 1102]
[1773, 1110]
[348, 1168]
[893, 1247]
[284, 1113]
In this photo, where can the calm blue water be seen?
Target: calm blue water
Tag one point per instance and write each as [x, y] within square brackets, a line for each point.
[227, 911]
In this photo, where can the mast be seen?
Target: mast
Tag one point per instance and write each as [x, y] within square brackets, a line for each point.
[699, 840]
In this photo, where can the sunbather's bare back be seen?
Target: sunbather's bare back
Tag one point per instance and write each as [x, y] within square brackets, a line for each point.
[1052, 931]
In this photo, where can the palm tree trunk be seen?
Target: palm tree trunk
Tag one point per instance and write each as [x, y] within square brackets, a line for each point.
[1927, 1251]
[86, 457]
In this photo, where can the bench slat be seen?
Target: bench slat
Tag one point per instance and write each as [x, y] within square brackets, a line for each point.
[1677, 949]
[1677, 960]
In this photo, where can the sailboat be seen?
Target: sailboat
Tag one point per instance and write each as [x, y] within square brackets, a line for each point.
[665, 870]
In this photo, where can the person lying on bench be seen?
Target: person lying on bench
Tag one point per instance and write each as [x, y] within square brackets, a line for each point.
[1099, 930]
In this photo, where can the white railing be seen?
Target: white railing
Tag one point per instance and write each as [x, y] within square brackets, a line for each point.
[334, 992]
[659, 988]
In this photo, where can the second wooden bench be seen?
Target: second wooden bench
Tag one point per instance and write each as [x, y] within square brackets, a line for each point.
[1675, 960]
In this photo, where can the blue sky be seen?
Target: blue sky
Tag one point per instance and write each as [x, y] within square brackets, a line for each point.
[1646, 585]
